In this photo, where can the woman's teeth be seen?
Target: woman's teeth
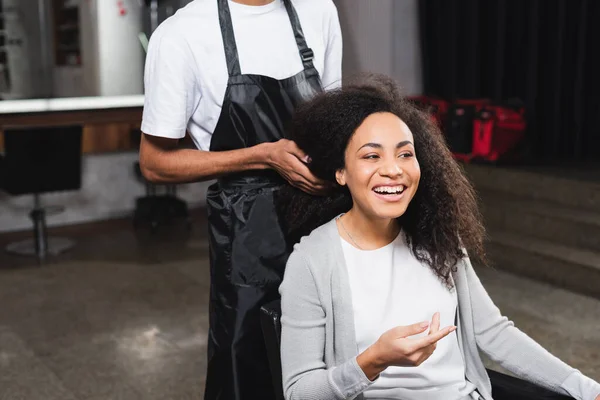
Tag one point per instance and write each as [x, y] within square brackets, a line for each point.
[389, 189]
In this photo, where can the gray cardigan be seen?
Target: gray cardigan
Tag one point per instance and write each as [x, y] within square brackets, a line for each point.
[318, 344]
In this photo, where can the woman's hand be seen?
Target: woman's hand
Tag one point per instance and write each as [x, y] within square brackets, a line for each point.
[396, 348]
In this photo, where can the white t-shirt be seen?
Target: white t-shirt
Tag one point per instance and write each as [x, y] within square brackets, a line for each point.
[186, 73]
[391, 288]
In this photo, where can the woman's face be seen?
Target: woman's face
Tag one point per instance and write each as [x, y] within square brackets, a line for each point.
[381, 171]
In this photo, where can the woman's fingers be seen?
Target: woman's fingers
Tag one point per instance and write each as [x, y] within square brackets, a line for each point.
[431, 339]
[435, 323]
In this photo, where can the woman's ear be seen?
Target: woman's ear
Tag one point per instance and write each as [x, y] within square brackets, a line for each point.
[340, 177]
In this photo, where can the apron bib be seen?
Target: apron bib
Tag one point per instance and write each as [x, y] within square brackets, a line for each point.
[248, 250]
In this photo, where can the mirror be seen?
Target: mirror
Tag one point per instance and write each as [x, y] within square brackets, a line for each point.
[76, 48]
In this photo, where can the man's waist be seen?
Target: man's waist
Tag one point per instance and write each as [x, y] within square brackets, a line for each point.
[251, 179]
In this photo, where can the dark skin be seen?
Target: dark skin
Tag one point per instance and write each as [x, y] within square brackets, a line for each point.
[161, 161]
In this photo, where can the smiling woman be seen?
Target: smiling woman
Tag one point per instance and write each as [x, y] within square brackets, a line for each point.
[381, 172]
[367, 139]
[379, 298]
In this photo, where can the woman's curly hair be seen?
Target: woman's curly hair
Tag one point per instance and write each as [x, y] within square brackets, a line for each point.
[443, 217]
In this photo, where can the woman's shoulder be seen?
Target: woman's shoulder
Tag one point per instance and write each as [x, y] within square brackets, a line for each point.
[316, 250]
[319, 239]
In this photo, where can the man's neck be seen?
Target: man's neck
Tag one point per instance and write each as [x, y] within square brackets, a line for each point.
[254, 2]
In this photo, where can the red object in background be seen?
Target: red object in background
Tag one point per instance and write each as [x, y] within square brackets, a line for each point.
[496, 131]
[437, 107]
[459, 126]
[122, 9]
[476, 129]
[477, 103]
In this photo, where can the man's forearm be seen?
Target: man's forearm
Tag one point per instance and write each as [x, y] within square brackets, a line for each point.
[187, 165]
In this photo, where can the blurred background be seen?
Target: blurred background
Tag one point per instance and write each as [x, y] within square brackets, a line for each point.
[104, 277]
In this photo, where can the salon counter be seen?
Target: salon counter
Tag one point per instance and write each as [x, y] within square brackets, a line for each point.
[107, 121]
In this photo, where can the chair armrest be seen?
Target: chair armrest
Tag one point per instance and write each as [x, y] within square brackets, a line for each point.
[270, 320]
[506, 387]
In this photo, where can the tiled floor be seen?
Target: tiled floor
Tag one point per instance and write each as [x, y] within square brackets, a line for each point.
[124, 316]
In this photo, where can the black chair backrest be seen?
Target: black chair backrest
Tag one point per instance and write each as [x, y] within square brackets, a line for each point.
[270, 320]
[504, 387]
[39, 160]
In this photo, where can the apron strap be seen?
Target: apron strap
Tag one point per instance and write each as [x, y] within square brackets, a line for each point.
[306, 53]
[231, 53]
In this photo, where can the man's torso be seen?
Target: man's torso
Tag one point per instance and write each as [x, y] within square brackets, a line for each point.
[265, 44]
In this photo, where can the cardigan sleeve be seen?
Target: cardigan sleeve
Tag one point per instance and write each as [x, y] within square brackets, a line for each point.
[497, 337]
[580, 386]
[305, 374]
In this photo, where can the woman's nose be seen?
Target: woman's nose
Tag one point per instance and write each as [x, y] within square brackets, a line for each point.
[391, 169]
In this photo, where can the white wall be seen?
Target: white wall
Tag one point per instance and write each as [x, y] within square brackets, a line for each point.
[406, 48]
[382, 36]
[367, 35]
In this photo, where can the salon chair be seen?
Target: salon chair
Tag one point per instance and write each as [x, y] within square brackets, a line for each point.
[504, 387]
[38, 161]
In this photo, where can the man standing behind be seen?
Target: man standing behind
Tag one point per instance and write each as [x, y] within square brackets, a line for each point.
[231, 73]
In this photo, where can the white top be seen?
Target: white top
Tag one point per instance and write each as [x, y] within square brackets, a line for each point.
[70, 104]
[186, 73]
[390, 288]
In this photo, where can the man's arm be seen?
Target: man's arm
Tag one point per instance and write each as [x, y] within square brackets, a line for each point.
[161, 161]
[172, 93]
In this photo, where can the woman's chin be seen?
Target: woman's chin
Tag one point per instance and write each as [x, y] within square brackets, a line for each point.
[389, 211]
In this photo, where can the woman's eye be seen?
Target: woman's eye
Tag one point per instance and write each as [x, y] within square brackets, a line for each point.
[371, 157]
[405, 155]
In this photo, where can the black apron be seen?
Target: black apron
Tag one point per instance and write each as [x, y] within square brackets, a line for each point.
[248, 250]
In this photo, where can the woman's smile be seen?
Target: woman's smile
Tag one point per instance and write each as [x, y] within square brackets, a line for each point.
[389, 192]
[381, 168]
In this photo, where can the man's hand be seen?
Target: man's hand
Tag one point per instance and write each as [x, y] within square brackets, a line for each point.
[290, 162]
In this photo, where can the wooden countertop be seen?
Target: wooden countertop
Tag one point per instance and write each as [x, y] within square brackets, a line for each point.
[84, 110]
[108, 122]
[70, 104]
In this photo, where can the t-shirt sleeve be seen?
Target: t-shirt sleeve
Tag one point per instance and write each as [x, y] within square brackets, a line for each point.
[170, 83]
[332, 74]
